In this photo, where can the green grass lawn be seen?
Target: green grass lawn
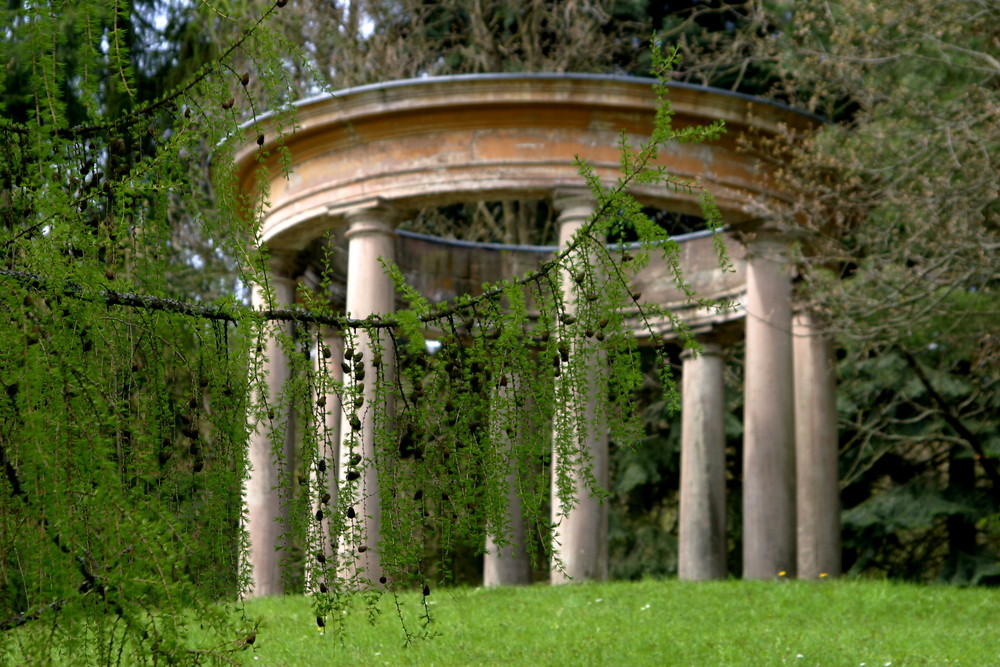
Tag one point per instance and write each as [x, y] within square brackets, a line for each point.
[846, 622]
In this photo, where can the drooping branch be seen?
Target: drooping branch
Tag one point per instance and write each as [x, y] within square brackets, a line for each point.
[25, 617]
[90, 580]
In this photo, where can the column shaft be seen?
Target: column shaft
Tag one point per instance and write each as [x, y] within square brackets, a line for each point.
[581, 532]
[508, 565]
[769, 521]
[816, 454]
[266, 493]
[369, 291]
[702, 552]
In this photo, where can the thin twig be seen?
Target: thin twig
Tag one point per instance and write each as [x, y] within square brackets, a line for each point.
[988, 464]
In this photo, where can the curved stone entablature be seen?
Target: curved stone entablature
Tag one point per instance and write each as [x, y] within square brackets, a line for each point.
[441, 140]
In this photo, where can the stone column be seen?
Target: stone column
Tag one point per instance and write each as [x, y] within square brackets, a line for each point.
[370, 235]
[508, 565]
[816, 450]
[769, 521]
[702, 552]
[323, 474]
[581, 530]
[267, 491]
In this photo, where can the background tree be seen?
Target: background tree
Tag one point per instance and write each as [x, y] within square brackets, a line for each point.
[899, 194]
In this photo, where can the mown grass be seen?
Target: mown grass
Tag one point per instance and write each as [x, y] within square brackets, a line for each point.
[845, 622]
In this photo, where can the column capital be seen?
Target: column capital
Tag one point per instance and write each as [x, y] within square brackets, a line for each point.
[281, 263]
[767, 240]
[287, 286]
[573, 203]
[379, 217]
[809, 321]
[768, 244]
[707, 350]
[311, 279]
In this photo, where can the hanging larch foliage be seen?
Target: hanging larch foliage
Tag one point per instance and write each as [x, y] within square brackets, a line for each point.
[126, 407]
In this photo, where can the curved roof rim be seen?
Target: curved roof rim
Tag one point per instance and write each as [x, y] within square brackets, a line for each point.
[509, 76]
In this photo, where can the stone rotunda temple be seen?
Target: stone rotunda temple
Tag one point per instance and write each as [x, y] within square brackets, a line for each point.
[364, 159]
